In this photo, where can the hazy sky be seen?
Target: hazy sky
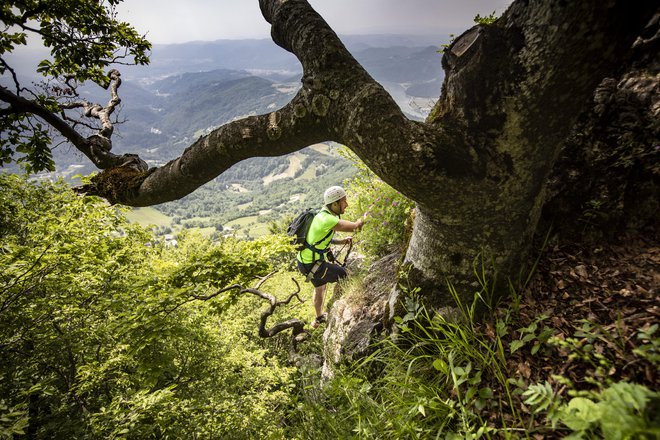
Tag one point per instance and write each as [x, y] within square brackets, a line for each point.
[178, 21]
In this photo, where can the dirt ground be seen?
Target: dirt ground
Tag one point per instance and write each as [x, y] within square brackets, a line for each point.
[597, 302]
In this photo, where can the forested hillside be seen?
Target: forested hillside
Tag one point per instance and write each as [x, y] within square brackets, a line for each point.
[256, 192]
[502, 273]
[106, 332]
[190, 89]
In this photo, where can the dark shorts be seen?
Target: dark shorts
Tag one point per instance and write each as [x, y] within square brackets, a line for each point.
[327, 273]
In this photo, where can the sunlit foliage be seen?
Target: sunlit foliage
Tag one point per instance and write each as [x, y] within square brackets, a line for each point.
[100, 338]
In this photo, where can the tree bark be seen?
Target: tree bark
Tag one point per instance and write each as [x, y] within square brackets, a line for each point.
[478, 166]
[514, 89]
[606, 181]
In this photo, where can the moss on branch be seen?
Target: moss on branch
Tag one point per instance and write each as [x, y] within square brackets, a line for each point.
[117, 185]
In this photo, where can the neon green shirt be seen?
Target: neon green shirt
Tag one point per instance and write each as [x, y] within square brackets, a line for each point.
[323, 222]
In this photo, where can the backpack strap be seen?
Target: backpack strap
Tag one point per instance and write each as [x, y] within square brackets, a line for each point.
[312, 247]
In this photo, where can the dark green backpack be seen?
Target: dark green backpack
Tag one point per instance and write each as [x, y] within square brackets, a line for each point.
[298, 229]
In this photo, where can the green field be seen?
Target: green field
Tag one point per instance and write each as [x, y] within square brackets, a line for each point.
[148, 217]
[243, 226]
[241, 222]
[259, 190]
[207, 232]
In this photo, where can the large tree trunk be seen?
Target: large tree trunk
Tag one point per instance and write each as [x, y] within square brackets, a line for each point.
[605, 182]
[513, 89]
[476, 168]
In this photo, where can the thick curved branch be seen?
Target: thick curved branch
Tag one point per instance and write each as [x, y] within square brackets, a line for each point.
[490, 125]
[364, 116]
[295, 126]
[338, 101]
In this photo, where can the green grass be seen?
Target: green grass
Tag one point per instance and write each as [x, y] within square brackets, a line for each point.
[294, 165]
[309, 174]
[241, 222]
[259, 229]
[151, 217]
[206, 232]
[148, 216]
[323, 149]
[249, 225]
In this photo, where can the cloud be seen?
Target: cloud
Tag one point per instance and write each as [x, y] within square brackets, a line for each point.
[174, 21]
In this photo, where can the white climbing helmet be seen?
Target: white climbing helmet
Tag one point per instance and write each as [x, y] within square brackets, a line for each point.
[333, 194]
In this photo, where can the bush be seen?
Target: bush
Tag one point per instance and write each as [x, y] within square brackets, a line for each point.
[387, 211]
[101, 338]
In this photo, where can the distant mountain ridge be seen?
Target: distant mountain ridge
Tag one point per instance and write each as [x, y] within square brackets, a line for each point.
[261, 54]
[191, 88]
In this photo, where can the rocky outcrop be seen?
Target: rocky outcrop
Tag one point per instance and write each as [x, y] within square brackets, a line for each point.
[358, 317]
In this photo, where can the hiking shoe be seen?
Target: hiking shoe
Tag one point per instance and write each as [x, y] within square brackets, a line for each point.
[319, 320]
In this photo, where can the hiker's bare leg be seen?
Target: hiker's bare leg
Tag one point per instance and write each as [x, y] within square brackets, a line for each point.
[319, 292]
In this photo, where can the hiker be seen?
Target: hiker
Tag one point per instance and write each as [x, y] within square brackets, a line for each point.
[315, 261]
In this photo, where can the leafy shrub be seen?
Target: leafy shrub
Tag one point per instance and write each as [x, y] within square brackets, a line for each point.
[387, 211]
[621, 411]
[101, 338]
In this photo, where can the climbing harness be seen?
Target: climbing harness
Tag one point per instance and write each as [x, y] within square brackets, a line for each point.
[313, 270]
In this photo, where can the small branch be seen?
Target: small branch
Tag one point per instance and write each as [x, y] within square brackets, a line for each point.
[104, 114]
[263, 280]
[298, 332]
[99, 112]
[13, 74]
[97, 146]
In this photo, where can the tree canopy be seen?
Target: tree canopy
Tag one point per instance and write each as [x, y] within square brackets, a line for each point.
[101, 335]
[84, 38]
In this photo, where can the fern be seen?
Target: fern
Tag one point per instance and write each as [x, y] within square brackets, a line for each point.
[540, 396]
[625, 411]
[621, 411]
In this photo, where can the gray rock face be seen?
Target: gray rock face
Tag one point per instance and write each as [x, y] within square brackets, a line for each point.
[358, 318]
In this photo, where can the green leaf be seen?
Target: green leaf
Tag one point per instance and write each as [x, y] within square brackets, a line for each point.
[540, 396]
[516, 345]
[486, 393]
[580, 414]
[440, 365]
